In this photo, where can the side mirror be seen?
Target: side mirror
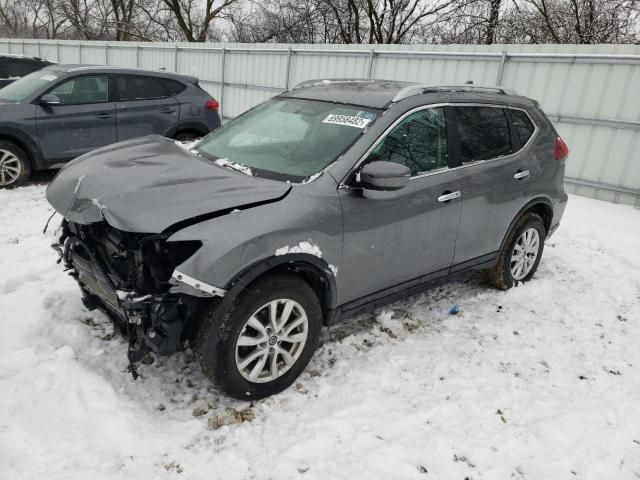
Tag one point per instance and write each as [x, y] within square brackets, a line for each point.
[50, 100]
[384, 176]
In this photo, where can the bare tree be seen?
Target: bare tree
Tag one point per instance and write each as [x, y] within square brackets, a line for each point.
[195, 22]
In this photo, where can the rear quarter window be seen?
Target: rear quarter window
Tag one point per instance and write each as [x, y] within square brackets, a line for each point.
[522, 126]
[173, 87]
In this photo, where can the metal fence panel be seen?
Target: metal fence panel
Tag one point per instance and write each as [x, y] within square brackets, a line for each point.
[591, 92]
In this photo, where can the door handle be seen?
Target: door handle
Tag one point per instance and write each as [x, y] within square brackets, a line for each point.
[167, 110]
[447, 197]
[104, 116]
[521, 175]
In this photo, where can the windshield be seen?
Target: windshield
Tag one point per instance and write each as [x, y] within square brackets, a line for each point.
[29, 84]
[289, 139]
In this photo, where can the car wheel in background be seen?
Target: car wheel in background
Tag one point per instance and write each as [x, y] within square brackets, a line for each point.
[187, 136]
[521, 253]
[14, 165]
[264, 340]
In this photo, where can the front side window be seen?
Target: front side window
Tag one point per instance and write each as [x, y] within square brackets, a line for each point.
[28, 85]
[419, 141]
[483, 133]
[141, 88]
[287, 138]
[85, 89]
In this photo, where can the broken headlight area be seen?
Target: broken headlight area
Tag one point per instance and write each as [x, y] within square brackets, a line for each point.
[128, 276]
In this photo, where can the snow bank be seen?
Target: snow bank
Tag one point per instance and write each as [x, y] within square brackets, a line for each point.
[539, 382]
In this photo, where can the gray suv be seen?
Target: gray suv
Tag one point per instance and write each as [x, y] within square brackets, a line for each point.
[331, 198]
[62, 111]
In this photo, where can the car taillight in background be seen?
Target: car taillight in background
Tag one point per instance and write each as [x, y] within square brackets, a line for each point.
[212, 105]
[561, 149]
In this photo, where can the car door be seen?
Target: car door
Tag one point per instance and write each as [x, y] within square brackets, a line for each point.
[495, 174]
[410, 234]
[145, 106]
[83, 121]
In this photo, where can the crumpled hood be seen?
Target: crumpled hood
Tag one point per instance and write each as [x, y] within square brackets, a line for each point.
[148, 184]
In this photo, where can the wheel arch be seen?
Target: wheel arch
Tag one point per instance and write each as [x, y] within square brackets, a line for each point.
[313, 270]
[540, 205]
[196, 127]
[34, 155]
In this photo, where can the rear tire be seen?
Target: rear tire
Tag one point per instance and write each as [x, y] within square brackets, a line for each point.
[521, 253]
[14, 165]
[246, 353]
[187, 136]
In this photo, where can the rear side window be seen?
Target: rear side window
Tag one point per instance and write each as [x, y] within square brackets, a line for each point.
[522, 126]
[483, 133]
[20, 68]
[172, 87]
[419, 142]
[141, 88]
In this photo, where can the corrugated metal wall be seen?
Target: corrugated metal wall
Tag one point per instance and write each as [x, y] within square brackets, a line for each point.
[591, 92]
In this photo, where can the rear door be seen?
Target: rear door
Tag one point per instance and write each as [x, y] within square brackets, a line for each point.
[145, 106]
[84, 120]
[396, 237]
[495, 173]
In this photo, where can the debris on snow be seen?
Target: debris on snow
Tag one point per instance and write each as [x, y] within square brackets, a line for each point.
[230, 416]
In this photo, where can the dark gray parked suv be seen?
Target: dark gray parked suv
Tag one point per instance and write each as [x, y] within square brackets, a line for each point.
[62, 111]
[331, 198]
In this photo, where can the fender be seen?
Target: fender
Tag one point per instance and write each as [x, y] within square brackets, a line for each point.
[538, 200]
[30, 146]
[298, 260]
[197, 126]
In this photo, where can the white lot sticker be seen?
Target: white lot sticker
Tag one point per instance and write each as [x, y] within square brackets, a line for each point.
[48, 78]
[347, 120]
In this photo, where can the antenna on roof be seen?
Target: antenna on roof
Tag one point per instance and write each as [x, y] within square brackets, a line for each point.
[469, 82]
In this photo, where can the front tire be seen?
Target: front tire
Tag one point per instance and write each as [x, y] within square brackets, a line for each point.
[14, 165]
[521, 253]
[264, 340]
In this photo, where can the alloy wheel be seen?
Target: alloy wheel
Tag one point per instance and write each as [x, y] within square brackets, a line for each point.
[10, 168]
[525, 252]
[271, 340]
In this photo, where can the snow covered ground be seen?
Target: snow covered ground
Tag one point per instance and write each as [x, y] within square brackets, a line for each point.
[540, 382]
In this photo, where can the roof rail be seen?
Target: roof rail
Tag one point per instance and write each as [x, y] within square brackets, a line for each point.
[327, 81]
[418, 89]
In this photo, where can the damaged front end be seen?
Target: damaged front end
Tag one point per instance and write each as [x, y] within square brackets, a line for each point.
[131, 277]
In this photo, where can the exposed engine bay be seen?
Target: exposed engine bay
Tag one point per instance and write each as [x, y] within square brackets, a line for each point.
[128, 277]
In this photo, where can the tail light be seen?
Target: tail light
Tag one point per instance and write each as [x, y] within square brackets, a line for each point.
[561, 149]
[212, 105]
